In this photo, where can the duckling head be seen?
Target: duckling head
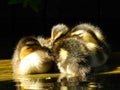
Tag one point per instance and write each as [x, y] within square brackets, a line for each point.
[58, 31]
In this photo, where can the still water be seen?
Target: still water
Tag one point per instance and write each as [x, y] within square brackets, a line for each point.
[95, 82]
[105, 78]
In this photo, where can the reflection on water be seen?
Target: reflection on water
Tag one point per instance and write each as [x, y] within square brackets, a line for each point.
[61, 83]
[107, 79]
[64, 83]
[96, 82]
[35, 83]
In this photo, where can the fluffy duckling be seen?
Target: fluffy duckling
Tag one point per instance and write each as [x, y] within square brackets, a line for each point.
[80, 49]
[95, 42]
[30, 57]
[69, 56]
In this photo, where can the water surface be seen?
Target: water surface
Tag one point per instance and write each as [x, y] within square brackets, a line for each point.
[106, 77]
[99, 82]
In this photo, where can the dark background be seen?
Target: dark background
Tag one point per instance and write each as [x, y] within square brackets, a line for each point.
[17, 21]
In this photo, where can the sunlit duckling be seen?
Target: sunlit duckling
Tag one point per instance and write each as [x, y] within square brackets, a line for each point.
[95, 42]
[30, 57]
[80, 49]
[69, 55]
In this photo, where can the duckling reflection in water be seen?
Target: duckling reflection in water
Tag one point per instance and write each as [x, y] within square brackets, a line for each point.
[34, 83]
[79, 49]
[29, 83]
[30, 57]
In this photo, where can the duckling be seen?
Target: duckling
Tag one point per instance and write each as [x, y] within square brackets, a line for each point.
[30, 57]
[80, 49]
[95, 41]
[68, 53]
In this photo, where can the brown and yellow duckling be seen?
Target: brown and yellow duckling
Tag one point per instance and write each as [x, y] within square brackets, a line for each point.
[30, 57]
[95, 43]
[79, 49]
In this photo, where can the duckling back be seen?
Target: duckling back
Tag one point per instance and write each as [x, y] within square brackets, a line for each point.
[30, 57]
[80, 49]
[95, 41]
[71, 55]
